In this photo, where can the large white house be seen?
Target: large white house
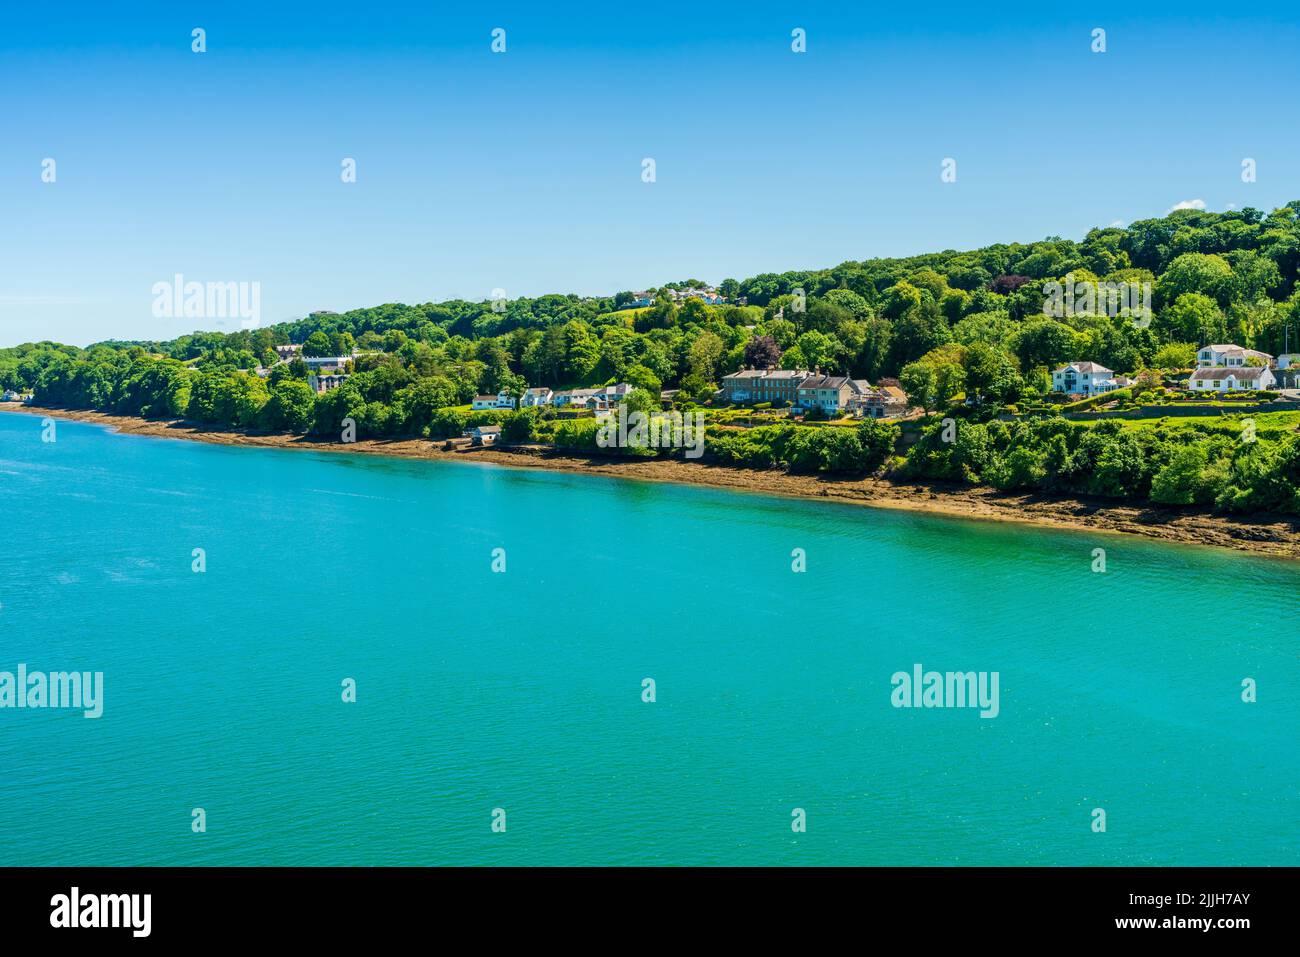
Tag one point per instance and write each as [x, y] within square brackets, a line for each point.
[1226, 379]
[1083, 378]
[502, 400]
[538, 396]
[1229, 356]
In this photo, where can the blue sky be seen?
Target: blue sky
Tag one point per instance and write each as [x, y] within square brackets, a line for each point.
[522, 170]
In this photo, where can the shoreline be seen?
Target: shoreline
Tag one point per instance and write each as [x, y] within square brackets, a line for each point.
[1273, 535]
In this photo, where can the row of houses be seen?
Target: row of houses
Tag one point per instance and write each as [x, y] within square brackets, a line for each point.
[708, 294]
[801, 389]
[1220, 367]
[598, 399]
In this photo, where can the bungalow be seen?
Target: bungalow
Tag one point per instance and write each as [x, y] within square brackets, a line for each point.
[502, 400]
[538, 396]
[485, 434]
[287, 352]
[1083, 378]
[1229, 356]
[1224, 379]
[828, 393]
[641, 300]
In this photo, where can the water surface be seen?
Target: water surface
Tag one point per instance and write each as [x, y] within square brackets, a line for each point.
[480, 690]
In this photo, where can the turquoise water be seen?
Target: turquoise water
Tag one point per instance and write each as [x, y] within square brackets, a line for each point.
[479, 690]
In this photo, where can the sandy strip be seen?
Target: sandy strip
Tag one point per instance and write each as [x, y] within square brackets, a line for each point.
[1261, 534]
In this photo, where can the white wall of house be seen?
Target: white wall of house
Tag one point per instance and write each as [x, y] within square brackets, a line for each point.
[1231, 356]
[1229, 383]
[1082, 383]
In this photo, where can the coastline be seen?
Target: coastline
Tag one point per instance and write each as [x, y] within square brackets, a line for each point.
[1273, 535]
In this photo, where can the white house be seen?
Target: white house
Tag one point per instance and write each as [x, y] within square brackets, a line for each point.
[612, 395]
[1083, 378]
[579, 398]
[321, 363]
[538, 396]
[1287, 359]
[1228, 356]
[502, 400]
[320, 384]
[1225, 379]
[485, 434]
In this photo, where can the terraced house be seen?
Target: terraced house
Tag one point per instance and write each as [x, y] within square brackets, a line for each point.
[778, 386]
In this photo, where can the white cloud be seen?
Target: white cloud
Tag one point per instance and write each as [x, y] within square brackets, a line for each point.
[1187, 204]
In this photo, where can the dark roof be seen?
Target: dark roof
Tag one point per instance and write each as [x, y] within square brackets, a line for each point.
[824, 382]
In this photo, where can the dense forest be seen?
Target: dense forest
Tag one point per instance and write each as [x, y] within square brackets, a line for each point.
[948, 325]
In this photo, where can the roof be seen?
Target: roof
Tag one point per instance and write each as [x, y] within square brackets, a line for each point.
[485, 398]
[1239, 373]
[1233, 349]
[781, 375]
[540, 390]
[824, 382]
[1086, 367]
[487, 429]
[860, 386]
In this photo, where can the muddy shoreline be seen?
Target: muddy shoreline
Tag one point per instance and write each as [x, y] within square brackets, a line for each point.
[1263, 534]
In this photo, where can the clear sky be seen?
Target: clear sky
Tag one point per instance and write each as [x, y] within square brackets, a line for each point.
[522, 170]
